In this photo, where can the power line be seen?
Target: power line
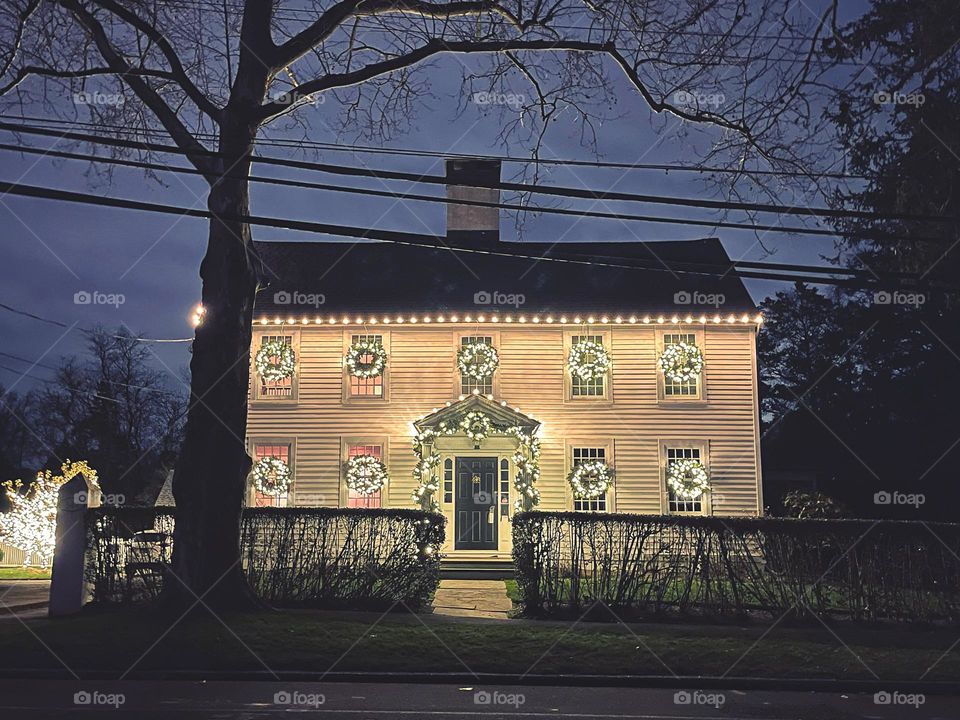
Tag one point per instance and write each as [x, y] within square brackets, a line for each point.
[439, 243]
[756, 227]
[433, 154]
[58, 323]
[76, 391]
[579, 193]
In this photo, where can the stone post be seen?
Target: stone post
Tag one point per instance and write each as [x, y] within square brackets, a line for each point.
[68, 588]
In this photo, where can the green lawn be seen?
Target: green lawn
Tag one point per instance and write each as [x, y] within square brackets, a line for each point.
[24, 573]
[308, 641]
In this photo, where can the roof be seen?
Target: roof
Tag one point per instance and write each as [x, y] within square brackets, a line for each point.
[498, 412]
[341, 277]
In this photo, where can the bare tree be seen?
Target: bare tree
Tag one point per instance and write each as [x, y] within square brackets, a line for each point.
[211, 74]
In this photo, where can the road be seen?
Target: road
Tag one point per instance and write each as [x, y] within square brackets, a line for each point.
[170, 700]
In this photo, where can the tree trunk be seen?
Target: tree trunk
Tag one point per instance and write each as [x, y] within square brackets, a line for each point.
[209, 483]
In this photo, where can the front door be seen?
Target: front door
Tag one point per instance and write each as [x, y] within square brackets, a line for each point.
[476, 520]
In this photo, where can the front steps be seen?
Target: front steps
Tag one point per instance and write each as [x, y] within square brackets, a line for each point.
[480, 568]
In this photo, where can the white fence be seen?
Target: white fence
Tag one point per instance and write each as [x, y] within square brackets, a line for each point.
[12, 557]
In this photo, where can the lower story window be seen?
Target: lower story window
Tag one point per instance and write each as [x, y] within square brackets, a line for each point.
[582, 454]
[280, 451]
[683, 505]
[359, 500]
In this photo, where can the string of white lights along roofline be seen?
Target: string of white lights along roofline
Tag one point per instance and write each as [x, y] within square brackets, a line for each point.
[578, 193]
[855, 280]
[367, 192]
[435, 154]
[60, 323]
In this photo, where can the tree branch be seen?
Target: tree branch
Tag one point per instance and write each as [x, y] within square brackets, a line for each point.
[34, 70]
[196, 152]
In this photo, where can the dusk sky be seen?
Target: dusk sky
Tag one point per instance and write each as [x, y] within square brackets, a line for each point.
[53, 250]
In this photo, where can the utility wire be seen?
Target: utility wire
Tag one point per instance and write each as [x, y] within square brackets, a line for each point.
[439, 242]
[54, 382]
[655, 219]
[58, 323]
[579, 193]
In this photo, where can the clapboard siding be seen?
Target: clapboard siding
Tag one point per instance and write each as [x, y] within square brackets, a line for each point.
[531, 376]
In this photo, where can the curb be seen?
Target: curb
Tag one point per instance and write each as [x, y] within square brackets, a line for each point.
[637, 681]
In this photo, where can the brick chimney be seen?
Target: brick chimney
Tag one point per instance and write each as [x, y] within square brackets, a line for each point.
[473, 225]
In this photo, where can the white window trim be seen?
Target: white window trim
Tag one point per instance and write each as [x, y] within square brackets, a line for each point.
[347, 397]
[255, 396]
[345, 444]
[700, 399]
[256, 440]
[609, 448]
[568, 396]
[706, 504]
[458, 337]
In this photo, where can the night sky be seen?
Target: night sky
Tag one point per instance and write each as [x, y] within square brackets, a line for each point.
[52, 250]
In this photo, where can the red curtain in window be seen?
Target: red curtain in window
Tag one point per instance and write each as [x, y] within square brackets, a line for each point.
[355, 499]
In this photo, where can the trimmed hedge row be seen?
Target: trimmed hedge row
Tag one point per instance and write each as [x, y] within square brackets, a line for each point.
[292, 557]
[570, 562]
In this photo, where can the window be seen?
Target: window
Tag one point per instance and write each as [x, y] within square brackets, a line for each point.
[359, 500]
[675, 504]
[281, 451]
[689, 388]
[582, 454]
[284, 389]
[504, 488]
[371, 387]
[587, 388]
[469, 384]
[448, 480]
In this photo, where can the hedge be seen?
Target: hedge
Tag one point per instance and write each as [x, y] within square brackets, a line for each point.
[574, 562]
[292, 557]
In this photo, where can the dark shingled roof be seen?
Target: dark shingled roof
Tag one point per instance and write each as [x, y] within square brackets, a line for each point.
[386, 277]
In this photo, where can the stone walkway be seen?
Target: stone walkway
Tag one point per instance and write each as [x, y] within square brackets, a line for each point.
[25, 598]
[472, 599]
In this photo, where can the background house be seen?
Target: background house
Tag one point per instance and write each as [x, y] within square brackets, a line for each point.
[532, 303]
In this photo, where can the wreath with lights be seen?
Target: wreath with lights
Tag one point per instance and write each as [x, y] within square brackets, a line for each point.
[681, 362]
[275, 360]
[366, 368]
[478, 360]
[271, 476]
[365, 474]
[688, 478]
[590, 479]
[476, 425]
[588, 360]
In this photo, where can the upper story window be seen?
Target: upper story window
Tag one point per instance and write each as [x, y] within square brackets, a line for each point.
[468, 384]
[275, 389]
[282, 451]
[582, 454]
[674, 503]
[355, 499]
[595, 387]
[672, 389]
[371, 387]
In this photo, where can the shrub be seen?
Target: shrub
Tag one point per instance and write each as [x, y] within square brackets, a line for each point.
[803, 504]
[713, 566]
[292, 557]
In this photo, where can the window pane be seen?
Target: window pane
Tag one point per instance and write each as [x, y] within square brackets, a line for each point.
[469, 384]
[683, 505]
[276, 388]
[671, 388]
[355, 499]
[281, 452]
[581, 454]
[586, 388]
[366, 387]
